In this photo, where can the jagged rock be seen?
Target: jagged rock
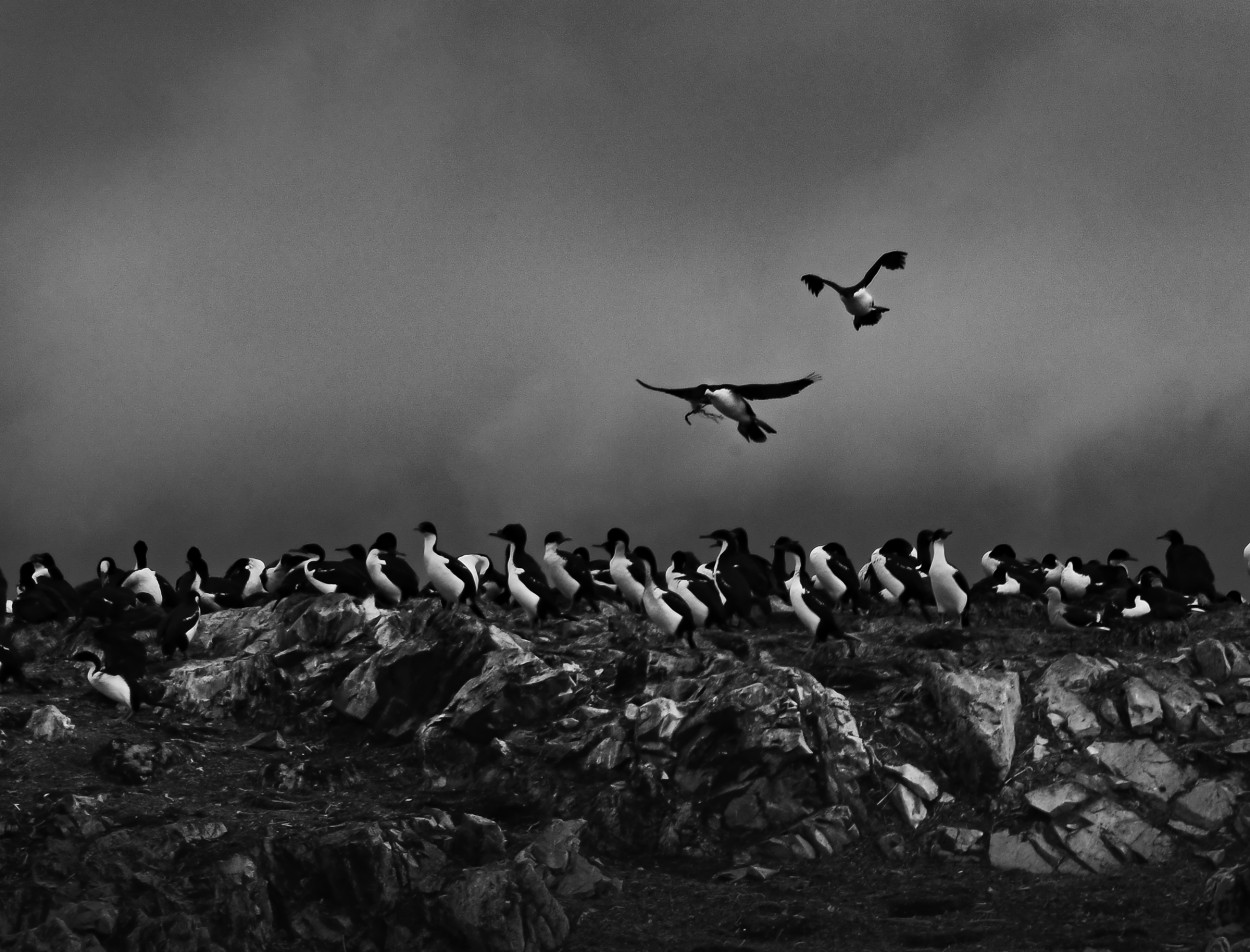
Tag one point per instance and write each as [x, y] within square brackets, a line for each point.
[48, 724]
[1013, 851]
[136, 763]
[393, 690]
[980, 711]
[959, 839]
[556, 852]
[249, 686]
[1058, 797]
[920, 782]
[910, 806]
[1238, 660]
[1212, 660]
[1210, 803]
[269, 740]
[1181, 701]
[1130, 837]
[1151, 772]
[1145, 710]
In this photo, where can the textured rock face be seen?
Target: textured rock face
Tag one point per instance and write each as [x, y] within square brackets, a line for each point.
[980, 711]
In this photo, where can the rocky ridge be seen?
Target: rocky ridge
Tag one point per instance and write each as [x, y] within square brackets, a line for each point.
[516, 764]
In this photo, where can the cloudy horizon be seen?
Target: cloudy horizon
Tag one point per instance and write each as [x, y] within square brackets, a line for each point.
[289, 272]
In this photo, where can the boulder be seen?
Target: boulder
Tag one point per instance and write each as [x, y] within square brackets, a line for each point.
[48, 724]
[1145, 709]
[980, 711]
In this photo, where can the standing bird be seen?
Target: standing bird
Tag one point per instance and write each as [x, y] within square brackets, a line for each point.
[120, 686]
[1189, 572]
[731, 400]
[664, 609]
[455, 582]
[180, 623]
[617, 547]
[526, 582]
[833, 571]
[856, 299]
[567, 573]
[950, 588]
[143, 581]
[811, 605]
[393, 578]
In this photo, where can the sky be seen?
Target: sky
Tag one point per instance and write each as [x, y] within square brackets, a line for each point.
[276, 273]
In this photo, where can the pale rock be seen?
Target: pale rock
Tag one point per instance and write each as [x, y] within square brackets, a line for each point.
[1057, 797]
[1144, 765]
[920, 782]
[1210, 803]
[1145, 709]
[1182, 702]
[1011, 851]
[49, 725]
[1125, 831]
[910, 807]
[980, 712]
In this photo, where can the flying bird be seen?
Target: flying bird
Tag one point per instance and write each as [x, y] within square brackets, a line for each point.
[731, 400]
[856, 299]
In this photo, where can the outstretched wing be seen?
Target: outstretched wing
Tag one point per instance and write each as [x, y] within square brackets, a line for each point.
[891, 260]
[771, 391]
[693, 394]
[815, 283]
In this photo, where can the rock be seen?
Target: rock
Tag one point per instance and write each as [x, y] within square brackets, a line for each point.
[980, 712]
[556, 852]
[960, 839]
[1210, 803]
[136, 763]
[49, 725]
[920, 782]
[1058, 797]
[1212, 660]
[910, 806]
[1145, 710]
[1013, 851]
[1131, 837]
[247, 686]
[1058, 691]
[1144, 765]
[269, 740]
[1181, 701]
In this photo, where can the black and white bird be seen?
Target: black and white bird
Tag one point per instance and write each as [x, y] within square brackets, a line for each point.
[526, 583]
[856, 299]
[950, 588]
[455, 582]
[567, 572]
[812, 607]
[834, 572]
[619, 562]
[731, 400]
[664, 609]
[1071, 617]
[394, 580]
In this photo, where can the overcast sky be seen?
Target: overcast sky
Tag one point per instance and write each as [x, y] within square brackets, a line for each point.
[279, 273]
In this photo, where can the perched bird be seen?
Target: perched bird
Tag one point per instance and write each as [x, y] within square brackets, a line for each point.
[121, 687]
[526, 583]
[393, 578]
[731, 400]
[833, 571]
[856, 298]
[732, 572]
[996, 556]
[455, 581]
[1074, 582]
[902, 576]
[697, 590]
[180, 623]
[619, 562]
[811, 605]
[664, 609]
[347, 577]
[1072, 617]
[143, 580]
[568, 573]
[950, 588]
[39, 599]
[1188, 570]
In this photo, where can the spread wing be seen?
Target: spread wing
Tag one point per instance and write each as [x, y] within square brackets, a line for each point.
[693, 394]
[771, 391]
[891, 260]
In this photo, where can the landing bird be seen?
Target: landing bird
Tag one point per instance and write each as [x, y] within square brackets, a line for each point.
[856, 299]
[731, 400]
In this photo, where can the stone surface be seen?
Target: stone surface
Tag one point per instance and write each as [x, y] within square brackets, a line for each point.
[1145, 709]
[48, 724]
[1210, 804]
[980, 711]
[1151, 772]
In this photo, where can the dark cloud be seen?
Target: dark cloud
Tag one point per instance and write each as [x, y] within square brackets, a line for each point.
[277, 273]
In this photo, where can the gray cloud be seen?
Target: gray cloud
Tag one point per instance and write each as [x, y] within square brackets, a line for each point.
[276, 274]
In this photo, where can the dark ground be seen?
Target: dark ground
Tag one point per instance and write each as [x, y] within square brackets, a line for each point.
[860, 900]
